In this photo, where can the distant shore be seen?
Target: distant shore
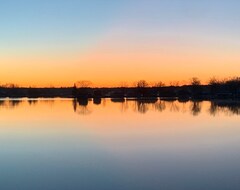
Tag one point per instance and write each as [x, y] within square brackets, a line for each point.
[182, 93]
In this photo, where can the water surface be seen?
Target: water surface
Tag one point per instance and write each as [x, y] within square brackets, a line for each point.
[115, 144]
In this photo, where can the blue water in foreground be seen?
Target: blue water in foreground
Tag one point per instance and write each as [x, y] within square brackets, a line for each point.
[55, 144]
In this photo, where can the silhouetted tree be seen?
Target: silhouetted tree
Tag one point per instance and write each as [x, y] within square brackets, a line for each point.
[83, 89]
[74, 90]
[196, 87]
[214, 86]
[83, 84]
[233, 85]
[174, 83]
[195, 81]
[159, 84]
[142, 88]
[142, 84]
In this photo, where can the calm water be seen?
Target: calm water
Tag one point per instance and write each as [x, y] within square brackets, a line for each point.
[113, 145]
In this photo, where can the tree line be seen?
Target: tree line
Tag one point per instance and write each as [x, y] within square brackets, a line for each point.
[227, 88]
[215, 88]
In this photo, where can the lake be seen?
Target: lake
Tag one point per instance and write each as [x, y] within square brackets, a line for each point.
[106, 144]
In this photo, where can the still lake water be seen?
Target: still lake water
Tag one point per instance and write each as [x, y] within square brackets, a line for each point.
[112, 145]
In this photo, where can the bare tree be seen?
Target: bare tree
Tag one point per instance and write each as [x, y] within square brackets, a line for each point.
[196, 87]
[82, 90]
[11, 85]
[142, 90]
[213, 81]
[174, 83]
[215, 85]
[83, 84]
[159, 84]
[142, 84]
[195, 81]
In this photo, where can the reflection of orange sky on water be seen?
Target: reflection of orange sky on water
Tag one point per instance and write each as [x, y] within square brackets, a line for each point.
[104, 116]
[117, 125]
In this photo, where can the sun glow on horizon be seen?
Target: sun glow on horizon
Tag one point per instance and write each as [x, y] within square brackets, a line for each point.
[113, 42]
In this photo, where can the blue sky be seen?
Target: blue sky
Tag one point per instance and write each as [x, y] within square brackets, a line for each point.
[43, 22]
[76, 22]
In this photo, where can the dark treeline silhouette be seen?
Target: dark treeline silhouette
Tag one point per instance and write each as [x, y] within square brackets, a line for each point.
[18, 92]
[225, 89]
[215, 89]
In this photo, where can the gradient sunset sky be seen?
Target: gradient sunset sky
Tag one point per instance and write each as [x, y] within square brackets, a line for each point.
[58, 42]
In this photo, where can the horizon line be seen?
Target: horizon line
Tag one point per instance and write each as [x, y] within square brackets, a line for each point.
[89, 84]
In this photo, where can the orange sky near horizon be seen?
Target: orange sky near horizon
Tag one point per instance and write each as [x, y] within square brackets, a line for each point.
[109, 65]
[115, 42]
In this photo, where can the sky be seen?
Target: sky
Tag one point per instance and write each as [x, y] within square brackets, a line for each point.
[59, 42]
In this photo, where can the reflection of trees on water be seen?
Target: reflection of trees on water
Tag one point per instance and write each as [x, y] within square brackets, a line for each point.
[104, 102]
[2, 102]
[80, 106]
[214, 109]
[97, 101]
[160, 106]
[10, 104]
[174, 106]
[139, 106]
[184, 108]
[14, 103]
[124, 106]
[227, 107]
[195, 108]
[142, 106]
[234, 109]
[32, 101]
[118, 100]
[50, 102]
[122, 102]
